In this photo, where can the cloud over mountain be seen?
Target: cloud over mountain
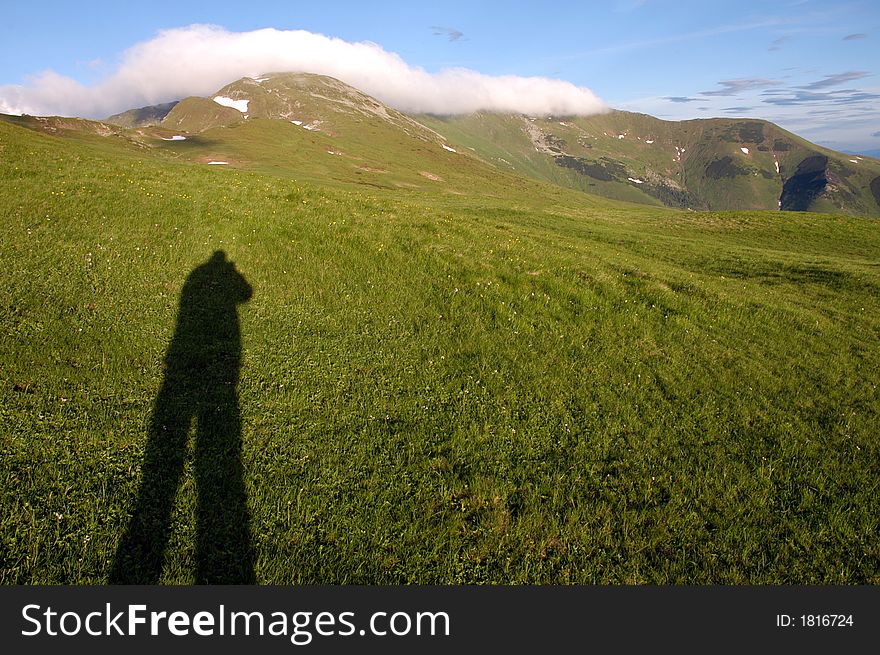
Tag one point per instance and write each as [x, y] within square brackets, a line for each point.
[199, 59]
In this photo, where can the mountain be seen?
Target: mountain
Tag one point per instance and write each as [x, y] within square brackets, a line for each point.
[315, 102]
[697, 164]
[142, 116]
[315, 127]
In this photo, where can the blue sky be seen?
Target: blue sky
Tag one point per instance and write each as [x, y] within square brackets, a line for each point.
[810, 66]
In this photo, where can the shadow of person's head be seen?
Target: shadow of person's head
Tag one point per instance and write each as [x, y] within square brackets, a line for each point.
[225, 280]
[207, 335]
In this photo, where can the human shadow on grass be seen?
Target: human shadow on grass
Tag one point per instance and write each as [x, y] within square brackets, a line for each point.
[201, 377]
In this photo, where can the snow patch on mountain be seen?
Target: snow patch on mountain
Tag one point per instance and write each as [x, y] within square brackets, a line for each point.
[240, 105]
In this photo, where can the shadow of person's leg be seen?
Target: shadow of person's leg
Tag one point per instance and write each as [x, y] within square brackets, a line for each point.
[141, 550]
[224, 552]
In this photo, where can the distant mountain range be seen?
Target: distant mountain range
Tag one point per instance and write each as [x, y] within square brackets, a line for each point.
[707, 164]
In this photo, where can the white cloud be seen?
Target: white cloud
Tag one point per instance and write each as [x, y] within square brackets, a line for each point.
[200, 59]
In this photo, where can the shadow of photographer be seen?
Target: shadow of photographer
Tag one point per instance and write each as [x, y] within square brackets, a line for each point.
[200, 384]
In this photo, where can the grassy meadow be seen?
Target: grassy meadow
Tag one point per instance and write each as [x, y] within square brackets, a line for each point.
[512, 384]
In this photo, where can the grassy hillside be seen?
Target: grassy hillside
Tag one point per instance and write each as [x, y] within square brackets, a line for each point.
[448, 384]
[142, 116]
[700, 164]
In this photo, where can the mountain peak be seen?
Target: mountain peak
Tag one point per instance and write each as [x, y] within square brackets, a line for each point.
[316, 101]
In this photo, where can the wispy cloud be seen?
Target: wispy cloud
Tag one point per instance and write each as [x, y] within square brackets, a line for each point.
[200, 59]
[784, 97]
[776, 44]
[735, 87]
[736, 110]
[449, 32]
[876, 134]
[855, 37]
[680, 99]
[834, 80]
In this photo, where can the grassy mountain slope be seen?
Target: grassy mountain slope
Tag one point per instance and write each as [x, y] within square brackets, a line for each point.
[142, 116]
[364, 152]
[446, 384]
[700, 164]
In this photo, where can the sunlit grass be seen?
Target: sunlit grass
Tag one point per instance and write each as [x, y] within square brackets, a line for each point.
[444, 388]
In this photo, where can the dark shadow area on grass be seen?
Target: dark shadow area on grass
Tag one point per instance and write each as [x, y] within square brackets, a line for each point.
[201, 378]
[805, 274]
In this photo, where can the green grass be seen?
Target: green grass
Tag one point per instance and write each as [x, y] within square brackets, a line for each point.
[510, 386]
